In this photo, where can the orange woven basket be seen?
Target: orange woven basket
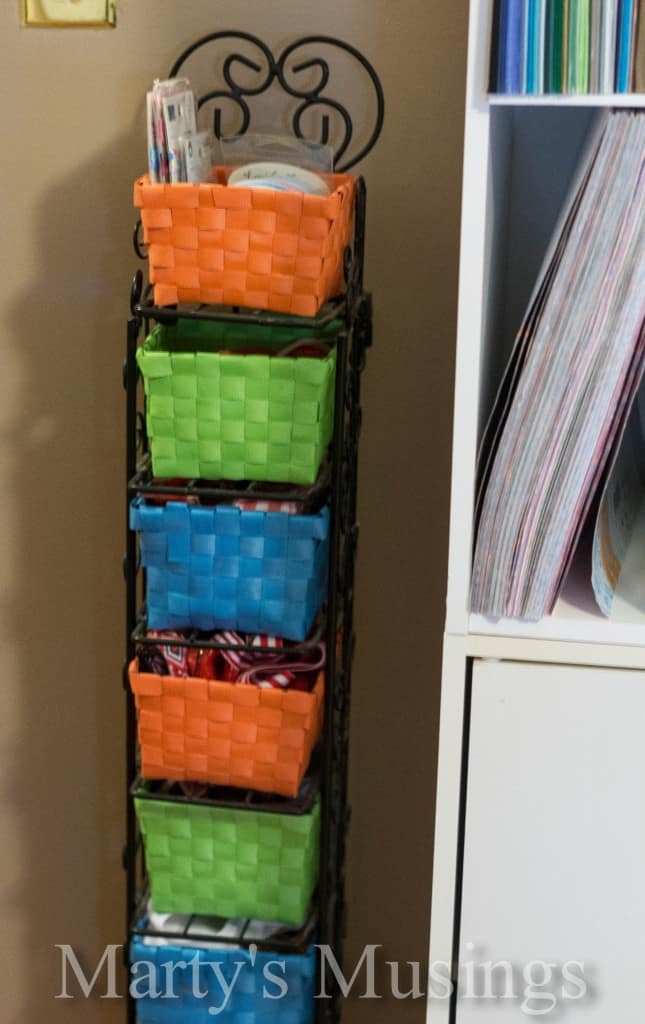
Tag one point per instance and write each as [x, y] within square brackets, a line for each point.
[281, 251]
[226, 734]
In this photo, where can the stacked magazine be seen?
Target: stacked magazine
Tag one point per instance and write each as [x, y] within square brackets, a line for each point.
[570, 384]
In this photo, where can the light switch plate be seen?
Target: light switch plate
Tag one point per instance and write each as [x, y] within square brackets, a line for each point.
[69, 13]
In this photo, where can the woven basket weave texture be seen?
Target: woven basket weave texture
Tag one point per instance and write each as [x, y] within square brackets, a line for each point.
[227, 862]
[215, 414]
[227, 568]
[225, 734]
[210, 243]
[249, 979]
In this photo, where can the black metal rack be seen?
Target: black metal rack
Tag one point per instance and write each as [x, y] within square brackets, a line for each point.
[337, 483]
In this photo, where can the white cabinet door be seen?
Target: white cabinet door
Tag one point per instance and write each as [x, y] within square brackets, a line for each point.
[554, 855]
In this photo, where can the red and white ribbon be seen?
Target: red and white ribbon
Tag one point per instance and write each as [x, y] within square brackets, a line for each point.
[292, 508]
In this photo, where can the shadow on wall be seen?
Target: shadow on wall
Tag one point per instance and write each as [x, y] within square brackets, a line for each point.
[412, 241]
[67, 607]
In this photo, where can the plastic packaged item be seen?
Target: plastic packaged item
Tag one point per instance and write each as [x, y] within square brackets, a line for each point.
[168, 86]
[283, 177]
[251, 148]
[179, 121]
[157, 140]
[153, 150]
[197, 155]
[159, 129]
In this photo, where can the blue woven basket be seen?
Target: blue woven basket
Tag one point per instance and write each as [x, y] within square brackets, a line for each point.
[249, 1001]
[228, 568]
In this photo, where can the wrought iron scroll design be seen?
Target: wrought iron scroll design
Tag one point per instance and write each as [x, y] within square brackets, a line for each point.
[289, 76]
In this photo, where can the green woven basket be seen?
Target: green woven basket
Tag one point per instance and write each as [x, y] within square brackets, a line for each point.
[232, 863]
[225, 414]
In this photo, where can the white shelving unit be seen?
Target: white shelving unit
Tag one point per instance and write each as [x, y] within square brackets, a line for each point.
[520, 155]
[632, 101]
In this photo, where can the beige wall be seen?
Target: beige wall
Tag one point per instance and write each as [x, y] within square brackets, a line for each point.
[74, 144]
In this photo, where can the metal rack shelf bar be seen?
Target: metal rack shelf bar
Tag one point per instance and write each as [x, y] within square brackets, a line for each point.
[246, 799]
[283, 941]
[143, 482]
[194, 639]
[146, 308]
